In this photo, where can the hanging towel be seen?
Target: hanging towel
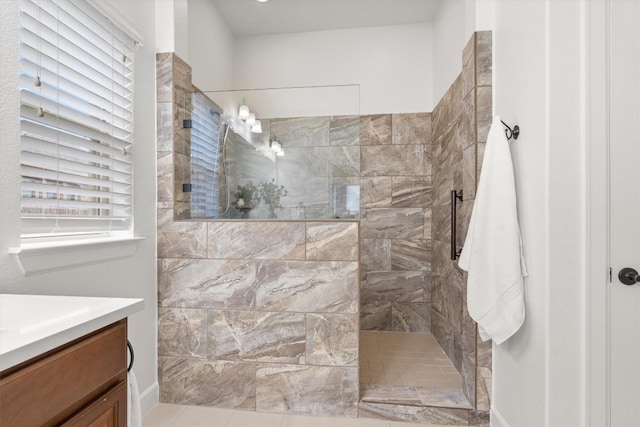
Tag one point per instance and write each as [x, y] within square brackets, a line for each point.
[492, 251]
[133, 409]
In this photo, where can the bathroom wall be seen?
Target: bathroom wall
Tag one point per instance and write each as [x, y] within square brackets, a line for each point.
[133, 276]
[252, 315]
[395, 204]
[461, 123]
[393, 65]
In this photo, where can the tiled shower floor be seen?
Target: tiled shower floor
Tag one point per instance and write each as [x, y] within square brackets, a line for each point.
[409, 369]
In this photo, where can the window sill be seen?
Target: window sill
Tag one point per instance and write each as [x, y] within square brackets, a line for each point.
[45, 257]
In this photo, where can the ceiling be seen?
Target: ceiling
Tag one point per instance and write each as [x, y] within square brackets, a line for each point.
[250, 18]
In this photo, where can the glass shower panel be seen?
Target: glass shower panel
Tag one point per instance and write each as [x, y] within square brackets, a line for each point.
[304, 164]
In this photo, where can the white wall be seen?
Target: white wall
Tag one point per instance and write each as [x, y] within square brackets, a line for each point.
[538, 84]
[393, 65]
[211, 44]
[131, 277]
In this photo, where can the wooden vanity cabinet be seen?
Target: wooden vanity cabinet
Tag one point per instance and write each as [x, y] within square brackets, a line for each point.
[82, 383]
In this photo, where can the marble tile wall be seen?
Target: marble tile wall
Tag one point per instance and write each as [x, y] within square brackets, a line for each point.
[395, 204]
[252, 315]
[460, 124]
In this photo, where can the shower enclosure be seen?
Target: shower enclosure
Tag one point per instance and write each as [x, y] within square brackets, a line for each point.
[311, 259]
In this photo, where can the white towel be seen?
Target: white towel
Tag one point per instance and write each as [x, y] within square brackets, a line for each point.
[134, 413]
[492, 252]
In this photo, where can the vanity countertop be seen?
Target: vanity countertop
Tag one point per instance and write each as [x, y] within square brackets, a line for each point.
[34, 324]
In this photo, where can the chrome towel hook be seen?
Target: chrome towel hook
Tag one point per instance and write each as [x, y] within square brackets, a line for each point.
[511, 133]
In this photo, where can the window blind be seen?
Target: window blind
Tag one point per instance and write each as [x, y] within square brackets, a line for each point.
[205, 153]
[76, 93]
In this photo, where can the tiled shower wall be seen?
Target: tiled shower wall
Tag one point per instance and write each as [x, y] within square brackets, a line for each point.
[461, 123]
[253, 315]
[395, 206]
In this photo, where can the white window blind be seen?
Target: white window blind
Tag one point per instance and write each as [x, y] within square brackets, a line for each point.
[76, 92]
[205, 151]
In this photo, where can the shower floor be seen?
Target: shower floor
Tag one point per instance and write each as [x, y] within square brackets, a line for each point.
[408, 369]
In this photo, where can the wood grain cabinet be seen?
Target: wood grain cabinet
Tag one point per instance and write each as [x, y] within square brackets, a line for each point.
[83, 383]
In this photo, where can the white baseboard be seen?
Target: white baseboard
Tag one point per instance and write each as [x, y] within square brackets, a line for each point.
[497, 420]
[149, 398]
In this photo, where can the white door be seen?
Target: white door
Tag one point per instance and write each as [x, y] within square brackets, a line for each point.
[624, 166]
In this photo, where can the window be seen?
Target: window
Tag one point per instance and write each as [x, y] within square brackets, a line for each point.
[76, 92]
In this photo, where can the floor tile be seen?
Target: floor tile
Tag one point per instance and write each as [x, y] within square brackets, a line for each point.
[203, 416]
[254, 419]
[163, 415]
[361, 422]
[307, 421]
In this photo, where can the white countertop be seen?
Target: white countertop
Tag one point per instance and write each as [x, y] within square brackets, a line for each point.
[33, 324]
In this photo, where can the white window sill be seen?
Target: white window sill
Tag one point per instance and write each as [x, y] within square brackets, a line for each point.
[44, 257]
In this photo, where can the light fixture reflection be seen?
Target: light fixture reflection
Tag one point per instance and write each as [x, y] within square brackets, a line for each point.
[243, 112]
[257, 126]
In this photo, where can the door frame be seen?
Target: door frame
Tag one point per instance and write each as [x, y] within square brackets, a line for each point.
[597, 346]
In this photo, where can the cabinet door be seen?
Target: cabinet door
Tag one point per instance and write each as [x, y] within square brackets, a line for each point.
[109, 410]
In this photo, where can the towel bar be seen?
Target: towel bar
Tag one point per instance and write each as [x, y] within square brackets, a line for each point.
[455, 196]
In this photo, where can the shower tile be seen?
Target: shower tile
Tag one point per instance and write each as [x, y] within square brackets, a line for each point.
[182, 174]
[375, 254]
[441, 330]
[483, 391]
[483, 53]
[468, 52]
[381, 223]
[332, 339]
[444, 397]
[416, 414]
[165, 126]
[441, 116]
[301, 131]
[181, 136]
[186, 381]
[462, 221]
[311, 287]
[391, 160]
[484, 352]
[180, 239]
[402, 286]
[412, 254]
[376, 192]
[390, 394]
[411, 192]
[344, 161]
[344, 130]
[314, 161]
[467, 123]
[256, 336]
[213, 284]
[411, 128]
[483, 112]
[375, 316]
[164, 77]
[468, 373]
[331, 241]
[442, 186]
[165, 177]
[469, 172]
[410, 317]
[256, 240]
[479, 418]
[442, 223]
[428, 221]
[469, 66]
[182, 332]
[312, 390]
[375, 129]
